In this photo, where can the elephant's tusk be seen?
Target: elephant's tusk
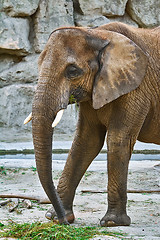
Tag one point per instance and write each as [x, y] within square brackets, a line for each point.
[58, 118]
[28, 119]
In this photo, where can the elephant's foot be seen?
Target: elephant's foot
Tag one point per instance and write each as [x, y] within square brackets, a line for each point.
[113, 220]
[51, 215]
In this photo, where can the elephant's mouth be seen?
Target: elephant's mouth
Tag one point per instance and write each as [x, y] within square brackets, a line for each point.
[78, 95]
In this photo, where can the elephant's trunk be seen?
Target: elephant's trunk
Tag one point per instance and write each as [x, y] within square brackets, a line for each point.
[42, 118]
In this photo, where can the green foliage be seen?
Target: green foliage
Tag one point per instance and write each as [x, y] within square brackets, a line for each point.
[51, 231]
[3, 171]
[34, 169]
[87, 174]
[72, 100]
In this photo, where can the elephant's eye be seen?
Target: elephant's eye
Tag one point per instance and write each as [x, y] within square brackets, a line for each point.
[72, 71]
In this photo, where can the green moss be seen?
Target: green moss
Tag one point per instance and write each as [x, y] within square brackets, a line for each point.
[29, 151]
[15, 151]
[146, 151]
[60, 151]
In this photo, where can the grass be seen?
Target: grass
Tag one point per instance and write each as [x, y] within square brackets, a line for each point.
[34, 169]
[51, 231]
[87, 174]
[7, 171]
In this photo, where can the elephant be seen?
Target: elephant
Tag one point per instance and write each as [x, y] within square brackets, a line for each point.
[113, 73]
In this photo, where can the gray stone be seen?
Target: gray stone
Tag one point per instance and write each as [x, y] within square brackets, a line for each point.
[93, 21]
[14, 33]
[145, 13]
[17, 8]
[51, 15]
[125, 19]
[91, 7]
[25, 71]
[6, 61]
[114, 7]
[103, 7]
[15, 104]
[90, 21]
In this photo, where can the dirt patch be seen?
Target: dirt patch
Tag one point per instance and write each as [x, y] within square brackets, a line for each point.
[144, 209]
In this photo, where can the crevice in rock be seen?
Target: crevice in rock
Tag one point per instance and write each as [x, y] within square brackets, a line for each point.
[76, 7]
[31, 36]
[129, 14]
[76, 11]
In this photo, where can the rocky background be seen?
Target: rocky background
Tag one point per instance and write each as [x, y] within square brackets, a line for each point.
[24, 30]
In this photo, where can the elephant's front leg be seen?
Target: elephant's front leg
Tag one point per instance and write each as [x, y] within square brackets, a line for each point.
[119, 152]
[88, 142]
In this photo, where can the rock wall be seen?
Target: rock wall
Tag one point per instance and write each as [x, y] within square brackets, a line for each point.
[24, 30]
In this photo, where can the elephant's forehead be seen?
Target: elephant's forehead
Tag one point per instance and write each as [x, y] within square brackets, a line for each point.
[66, 46]
[71, 41]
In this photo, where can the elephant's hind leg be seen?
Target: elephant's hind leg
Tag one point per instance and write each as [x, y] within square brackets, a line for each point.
[118, 159]
[122, 134]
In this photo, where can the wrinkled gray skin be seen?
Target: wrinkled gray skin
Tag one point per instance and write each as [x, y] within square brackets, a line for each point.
[113, 73]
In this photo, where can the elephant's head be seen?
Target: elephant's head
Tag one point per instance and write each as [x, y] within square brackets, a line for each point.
[90, 65]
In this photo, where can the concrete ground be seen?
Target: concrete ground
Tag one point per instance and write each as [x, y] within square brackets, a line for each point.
[143, 208]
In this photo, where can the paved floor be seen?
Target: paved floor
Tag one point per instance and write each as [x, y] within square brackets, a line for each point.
[67, 145]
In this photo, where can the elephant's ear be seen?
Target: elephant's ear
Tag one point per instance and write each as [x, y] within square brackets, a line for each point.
[122, 68]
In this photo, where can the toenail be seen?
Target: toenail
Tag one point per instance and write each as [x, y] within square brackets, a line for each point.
[48, 215]
[103, 223]
[111, 223]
